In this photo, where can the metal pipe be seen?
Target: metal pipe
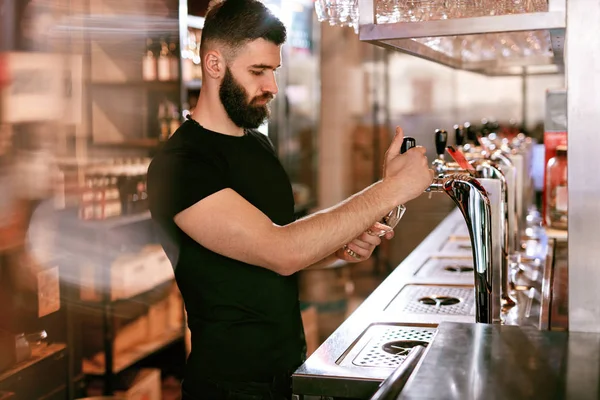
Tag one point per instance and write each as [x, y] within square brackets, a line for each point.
[471, 199]
[393, 385]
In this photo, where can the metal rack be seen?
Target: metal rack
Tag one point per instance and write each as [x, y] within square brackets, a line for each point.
[98, 243]
[399, 36]
[576, 53]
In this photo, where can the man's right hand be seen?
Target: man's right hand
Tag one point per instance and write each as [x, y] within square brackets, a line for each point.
[407, 175]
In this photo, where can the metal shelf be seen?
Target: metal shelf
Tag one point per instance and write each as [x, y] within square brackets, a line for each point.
[401, 37]
[133, 355]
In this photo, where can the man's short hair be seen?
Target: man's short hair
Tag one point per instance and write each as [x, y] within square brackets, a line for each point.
[234, 23]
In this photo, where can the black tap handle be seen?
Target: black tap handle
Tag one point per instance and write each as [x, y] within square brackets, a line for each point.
[471, 135]
[441, 139]
[407, 144]
[459, 135]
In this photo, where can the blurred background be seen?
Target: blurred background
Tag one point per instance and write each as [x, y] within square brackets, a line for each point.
[90, 89]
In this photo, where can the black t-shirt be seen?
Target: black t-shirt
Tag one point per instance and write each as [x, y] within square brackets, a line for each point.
[245, 320]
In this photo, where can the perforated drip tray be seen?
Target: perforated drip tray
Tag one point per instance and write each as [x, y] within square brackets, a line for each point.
[457, 246]
[446, 268]
[433, 299]
[385, 346]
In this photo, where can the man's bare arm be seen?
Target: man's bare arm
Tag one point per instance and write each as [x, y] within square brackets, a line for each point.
[229, 225]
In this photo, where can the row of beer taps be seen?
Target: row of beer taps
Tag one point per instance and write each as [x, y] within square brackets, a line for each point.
[488, 178]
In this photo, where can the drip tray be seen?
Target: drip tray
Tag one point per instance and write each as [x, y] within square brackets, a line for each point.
[385, 346]
[451, 267]
[433, 299]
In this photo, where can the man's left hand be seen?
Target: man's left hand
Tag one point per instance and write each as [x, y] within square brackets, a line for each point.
[362, 247]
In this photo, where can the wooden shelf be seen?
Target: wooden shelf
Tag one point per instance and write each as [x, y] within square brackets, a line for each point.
[43, 354]
[131, 143]
[127, 358]
[157, 85]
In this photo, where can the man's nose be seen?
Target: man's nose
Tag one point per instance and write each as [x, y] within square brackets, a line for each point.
[270, 86]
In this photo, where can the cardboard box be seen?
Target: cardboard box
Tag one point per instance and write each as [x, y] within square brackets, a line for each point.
[145, 385]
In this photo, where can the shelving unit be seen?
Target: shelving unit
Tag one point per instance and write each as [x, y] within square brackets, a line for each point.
[47, 368]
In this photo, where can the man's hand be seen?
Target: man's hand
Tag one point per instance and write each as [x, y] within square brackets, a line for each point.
[362, 247]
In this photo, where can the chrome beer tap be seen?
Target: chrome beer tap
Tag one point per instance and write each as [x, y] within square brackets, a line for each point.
[471, 199]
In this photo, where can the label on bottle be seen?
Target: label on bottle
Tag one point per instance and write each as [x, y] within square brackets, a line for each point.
[562, 198]
[149, 68]
[164, 69]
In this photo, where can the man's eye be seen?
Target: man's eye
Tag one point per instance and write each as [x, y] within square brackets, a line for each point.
[257, 73]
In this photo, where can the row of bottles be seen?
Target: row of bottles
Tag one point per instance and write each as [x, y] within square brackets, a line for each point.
[161, 60]
[115, 188]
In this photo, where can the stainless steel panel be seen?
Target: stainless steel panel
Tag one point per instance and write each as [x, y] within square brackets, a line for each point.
[464, 26]
[583, 118]
[491, 362]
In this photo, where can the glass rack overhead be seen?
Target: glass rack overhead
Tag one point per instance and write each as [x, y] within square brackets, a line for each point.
[493, 37]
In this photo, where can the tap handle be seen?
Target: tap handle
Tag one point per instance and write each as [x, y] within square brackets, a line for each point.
[407, 144]
[459, 135]
[471, 136]
[460, 159]
[441, 139]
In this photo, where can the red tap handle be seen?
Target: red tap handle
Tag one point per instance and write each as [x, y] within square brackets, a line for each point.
[459, 158]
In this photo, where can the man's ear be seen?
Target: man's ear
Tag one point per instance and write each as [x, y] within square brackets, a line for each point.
[214, 64]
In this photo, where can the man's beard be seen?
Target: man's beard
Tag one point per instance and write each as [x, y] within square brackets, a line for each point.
[245, 114]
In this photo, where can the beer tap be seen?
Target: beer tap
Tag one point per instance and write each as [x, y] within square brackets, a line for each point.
[471, 199]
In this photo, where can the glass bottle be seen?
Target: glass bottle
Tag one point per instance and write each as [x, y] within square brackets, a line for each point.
[164, 65]
[556, 190]
[149, 65]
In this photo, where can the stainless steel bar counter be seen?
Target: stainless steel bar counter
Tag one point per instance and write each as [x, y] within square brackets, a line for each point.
[434, 284]
[495, 362]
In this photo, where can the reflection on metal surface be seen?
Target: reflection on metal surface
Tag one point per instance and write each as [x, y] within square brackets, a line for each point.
[402, 347]
[471, 199]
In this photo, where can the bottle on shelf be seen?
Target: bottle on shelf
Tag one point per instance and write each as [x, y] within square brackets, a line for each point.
[149, 65]
[174, 121]
[174, 57]
[164, 64]
[163, 121]
[556, 190]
